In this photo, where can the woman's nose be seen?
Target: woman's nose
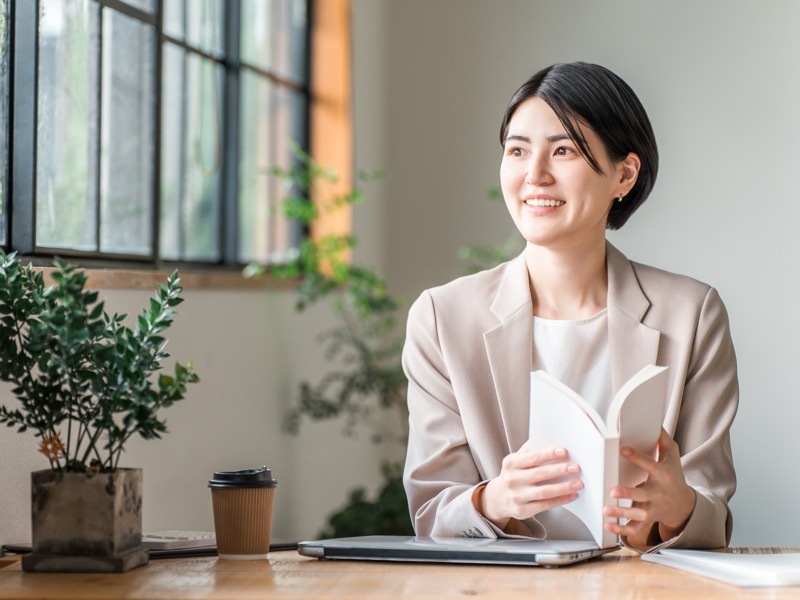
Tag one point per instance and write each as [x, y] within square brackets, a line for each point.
[538, 171]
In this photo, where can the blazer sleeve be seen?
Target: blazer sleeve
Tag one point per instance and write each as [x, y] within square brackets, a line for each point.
[710, 401]
[440, 475]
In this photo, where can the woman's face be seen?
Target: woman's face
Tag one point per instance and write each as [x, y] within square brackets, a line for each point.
[554, 196]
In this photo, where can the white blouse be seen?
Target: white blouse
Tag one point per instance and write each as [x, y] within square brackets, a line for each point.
[576, 353]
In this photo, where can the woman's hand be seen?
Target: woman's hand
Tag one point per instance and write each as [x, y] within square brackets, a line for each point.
[530, 482]
[664, 498]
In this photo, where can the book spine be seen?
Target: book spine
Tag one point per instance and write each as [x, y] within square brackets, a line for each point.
[611, 480]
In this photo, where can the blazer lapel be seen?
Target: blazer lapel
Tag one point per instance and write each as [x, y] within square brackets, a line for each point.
[509, 349]
[632, 345]
[509, 345]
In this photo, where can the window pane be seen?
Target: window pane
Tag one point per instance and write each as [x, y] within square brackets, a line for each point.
[173, 133]
[291, 40]
[173, 18]
[288, 123]
[3, 118]
[254, 161]
[272, 118]
[126, 171]
[273, 36]
[191, 157]
[256, 16]
[66, 149]
[146, 5]
[205, 20]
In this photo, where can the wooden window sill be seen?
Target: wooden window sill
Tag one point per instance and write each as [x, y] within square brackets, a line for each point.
[130, 279]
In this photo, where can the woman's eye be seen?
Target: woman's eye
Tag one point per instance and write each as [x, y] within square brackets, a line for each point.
[564, 151]
[515, 152]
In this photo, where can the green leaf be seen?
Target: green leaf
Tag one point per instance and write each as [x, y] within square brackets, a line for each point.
[301, 209]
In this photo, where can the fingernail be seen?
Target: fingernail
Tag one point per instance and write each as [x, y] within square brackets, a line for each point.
[573, 468]
[560, 452]
[626, 451]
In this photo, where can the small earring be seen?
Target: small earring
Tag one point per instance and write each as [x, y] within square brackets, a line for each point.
[620, 198]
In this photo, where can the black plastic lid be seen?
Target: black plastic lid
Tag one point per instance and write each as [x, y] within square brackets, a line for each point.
[246, 478]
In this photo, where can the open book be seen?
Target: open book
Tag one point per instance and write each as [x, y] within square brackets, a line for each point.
[560, 417]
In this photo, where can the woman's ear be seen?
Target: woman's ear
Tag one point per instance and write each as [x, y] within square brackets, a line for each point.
[628, 169]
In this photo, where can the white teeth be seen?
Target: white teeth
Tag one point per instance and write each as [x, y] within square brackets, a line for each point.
[542, 202]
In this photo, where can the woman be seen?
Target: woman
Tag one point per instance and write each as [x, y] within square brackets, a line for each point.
[579, 157]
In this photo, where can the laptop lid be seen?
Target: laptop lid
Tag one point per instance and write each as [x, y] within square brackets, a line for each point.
[504, 551]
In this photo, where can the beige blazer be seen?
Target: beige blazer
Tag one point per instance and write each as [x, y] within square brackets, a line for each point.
[468, 354]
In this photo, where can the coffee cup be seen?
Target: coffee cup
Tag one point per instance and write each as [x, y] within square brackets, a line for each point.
[243, 502]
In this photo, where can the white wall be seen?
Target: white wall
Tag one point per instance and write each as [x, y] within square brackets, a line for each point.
[719, 80]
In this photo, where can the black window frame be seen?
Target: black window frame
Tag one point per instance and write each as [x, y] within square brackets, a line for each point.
[22, 126]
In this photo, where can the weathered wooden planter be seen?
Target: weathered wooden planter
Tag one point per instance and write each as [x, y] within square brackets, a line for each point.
[86, 522]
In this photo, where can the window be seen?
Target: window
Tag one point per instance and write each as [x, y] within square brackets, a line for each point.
[154, 125]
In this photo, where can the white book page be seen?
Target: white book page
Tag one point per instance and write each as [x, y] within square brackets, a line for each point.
[555, 420]
[555, 389]
[636, 414]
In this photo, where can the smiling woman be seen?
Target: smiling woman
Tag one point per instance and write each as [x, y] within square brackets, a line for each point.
[579, 157]
[542, 167]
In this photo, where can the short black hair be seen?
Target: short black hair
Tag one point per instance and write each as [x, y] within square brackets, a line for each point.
[586, 94]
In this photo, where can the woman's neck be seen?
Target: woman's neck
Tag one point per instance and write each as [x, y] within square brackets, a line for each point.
[568, 284]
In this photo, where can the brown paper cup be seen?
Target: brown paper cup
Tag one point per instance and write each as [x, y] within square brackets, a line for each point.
[242, 502]
[243, 521]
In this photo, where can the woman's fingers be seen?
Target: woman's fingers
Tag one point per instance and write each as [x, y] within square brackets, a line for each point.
[530, 482]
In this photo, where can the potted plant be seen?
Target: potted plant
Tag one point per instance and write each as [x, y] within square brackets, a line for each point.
[85, 383]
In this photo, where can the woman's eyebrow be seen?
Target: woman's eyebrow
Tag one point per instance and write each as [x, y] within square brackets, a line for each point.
[519, 138]
[556, 137]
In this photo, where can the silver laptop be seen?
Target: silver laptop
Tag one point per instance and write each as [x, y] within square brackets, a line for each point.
[546, 553]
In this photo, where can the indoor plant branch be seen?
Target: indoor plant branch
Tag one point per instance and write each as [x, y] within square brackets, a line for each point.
[367, 381]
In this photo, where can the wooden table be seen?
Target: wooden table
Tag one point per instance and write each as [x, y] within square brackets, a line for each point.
[289, 575]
